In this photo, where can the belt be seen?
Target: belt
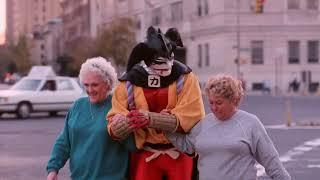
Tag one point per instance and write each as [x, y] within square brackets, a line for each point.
[171, 152]
[159, 146]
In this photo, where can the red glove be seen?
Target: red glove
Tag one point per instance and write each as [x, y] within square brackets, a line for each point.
[138, 119]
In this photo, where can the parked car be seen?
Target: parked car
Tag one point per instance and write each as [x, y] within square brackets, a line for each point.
[40, 93]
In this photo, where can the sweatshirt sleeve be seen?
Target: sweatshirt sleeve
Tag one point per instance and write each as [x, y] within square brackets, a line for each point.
[266, 154]
[185, 142]
[61, 149]
[181, 141]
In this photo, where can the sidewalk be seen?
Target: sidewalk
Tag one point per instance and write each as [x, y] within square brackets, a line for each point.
[291, 94]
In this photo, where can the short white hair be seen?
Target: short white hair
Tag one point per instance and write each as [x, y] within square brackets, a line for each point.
[100, 66]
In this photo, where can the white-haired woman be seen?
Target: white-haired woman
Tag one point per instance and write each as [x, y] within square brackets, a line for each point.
[229, 141]
[84, 139]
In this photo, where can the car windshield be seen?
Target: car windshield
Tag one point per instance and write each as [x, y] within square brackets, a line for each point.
[26, 85]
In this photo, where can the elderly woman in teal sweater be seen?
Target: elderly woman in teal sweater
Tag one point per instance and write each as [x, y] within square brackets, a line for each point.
[229, 141]
[84, 140]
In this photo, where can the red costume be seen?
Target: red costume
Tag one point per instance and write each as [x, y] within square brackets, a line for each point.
[156, 95]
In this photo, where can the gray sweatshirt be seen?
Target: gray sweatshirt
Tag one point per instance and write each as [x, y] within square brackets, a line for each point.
[229, 149]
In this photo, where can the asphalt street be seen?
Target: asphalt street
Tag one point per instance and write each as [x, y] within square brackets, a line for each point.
[25, 145]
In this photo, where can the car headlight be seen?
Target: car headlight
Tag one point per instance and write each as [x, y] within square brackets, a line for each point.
[4, 99]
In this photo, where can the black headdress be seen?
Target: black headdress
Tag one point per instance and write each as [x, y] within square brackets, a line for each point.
[156, 45]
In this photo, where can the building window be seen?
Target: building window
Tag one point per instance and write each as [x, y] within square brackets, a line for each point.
[207, 54]
[257, 52]
[313, 51]
[203, 55]
[257, 86]
[206, 7]
[293, 52]
[42, 46]
[36, 19]
[156, 17]
[97, 6]
[312, 4]
[293, 4]
[138, 23]
[203, 7]
[176, 12]
[229, 4]
[200, 55]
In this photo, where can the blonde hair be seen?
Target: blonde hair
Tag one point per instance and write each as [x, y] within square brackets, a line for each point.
[224, 86]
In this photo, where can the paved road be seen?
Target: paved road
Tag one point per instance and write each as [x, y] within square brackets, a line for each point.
[298, 146]
[25, 144]
[299, 151]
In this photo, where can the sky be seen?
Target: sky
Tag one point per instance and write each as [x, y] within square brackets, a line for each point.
[2, 19]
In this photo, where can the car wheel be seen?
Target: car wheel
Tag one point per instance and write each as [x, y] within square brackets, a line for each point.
[53, 113]
[24, 110]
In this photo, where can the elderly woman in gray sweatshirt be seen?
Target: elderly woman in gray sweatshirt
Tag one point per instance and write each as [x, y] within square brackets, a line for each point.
[229, 141]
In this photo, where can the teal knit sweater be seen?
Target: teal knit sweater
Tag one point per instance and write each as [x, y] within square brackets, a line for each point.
[84, 140]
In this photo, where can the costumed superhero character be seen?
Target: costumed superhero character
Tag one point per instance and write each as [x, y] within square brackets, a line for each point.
[157, 94]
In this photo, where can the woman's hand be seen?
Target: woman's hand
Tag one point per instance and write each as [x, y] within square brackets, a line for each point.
[138, 119]
[52, 176]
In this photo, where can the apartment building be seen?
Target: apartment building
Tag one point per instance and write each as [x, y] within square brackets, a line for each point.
[82, 18]
[33, 18]
[45, 26]
[265, 42]
[16, 19]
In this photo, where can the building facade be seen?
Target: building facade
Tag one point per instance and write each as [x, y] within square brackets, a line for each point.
[34, 19]
[82, 18]
[16, 19]
[266, 43]
[45, 26]
[269, 44]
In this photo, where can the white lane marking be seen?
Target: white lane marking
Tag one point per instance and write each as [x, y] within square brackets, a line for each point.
[315, 142]
[314, 166]
[290, 155]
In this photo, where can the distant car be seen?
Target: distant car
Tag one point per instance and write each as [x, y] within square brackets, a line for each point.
[40, 94]
[11, 78]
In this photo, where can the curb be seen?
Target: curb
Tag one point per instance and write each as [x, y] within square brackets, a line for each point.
[307, 123]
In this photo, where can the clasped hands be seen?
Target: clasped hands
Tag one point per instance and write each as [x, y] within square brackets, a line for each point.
[136, 118]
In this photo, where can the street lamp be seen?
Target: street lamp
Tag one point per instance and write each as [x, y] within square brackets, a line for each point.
[237, 61]
[278, 69]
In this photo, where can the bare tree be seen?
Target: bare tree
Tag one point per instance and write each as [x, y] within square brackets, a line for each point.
[114, 42]
[117, 41]
[17, 55]
[78, 51]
